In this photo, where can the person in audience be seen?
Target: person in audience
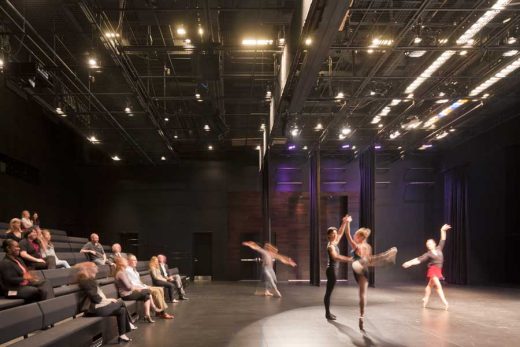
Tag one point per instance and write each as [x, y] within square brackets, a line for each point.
[97, 304]
[94, 250]
[36, 219]
[157, 292]
[17, 282]
[30, 251]
[175, 279]
[127, 291]
[26, 220]
[116, 252]
[15, 231]
[160, 281]
[49, 249]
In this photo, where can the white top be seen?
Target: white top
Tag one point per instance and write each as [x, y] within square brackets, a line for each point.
[134, 277]
[26, 223]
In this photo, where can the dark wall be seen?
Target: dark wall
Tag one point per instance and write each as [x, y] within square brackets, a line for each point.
[490, 230]
[165, 205]
[28, 137]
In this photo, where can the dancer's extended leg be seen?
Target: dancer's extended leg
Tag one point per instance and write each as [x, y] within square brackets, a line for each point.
[427, 292]
[331, 281]
[363, 288]
[438, 286]
[270, 282]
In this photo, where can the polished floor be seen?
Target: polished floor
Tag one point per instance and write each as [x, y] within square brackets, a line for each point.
[228, 314]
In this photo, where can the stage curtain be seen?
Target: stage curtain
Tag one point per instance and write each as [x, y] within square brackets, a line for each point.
[456, 214]
[314, 203]
[367, 168]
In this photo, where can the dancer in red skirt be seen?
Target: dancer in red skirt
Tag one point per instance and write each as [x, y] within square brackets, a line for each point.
[435, 260]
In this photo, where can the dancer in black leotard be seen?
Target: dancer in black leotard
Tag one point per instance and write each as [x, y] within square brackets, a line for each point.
[334, 258]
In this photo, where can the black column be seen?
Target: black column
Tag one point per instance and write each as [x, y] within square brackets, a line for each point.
[266, 204]
[367, 168]
[314, 204]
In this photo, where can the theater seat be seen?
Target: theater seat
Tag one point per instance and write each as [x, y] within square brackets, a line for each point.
[68, 256]
[110, 291]
[8, 303]
[75, 247]
[82, 240]
[61, 246]
[59, 238]
[147, 279]
[19, 321]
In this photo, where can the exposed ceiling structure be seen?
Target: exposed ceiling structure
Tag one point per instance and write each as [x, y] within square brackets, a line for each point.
[148, 81]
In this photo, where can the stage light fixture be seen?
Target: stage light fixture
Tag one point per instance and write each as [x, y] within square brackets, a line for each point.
[504, 72]
[291, 147]
[258, 148]
[423, 147]
[443, 41]
[511, 40]
[346, 130]
[210, 147]
[380, 125]
[197, 96]
[206, 127]
[341, 136]
[308, 41]
[416, 54]
[510, 53]
[417, 40]
[304, 148]
[116, 158]
[175, 137]
[340, 95]
[318, 126]
[353, 147]
[92, 63]
[93, 139]
[441, 135]
[200, 31]
[394, 135]
[166, 119]
[345, 146]
[1, 63]
[295, 132]
[377, 147]
[181, 31]
[163, 158]
[254, 42]
[377, 42]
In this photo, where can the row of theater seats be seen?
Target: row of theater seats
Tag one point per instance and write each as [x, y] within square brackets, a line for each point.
[69, 326]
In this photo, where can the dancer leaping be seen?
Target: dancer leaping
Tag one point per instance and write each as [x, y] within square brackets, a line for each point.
[269, 253]
[435, 260]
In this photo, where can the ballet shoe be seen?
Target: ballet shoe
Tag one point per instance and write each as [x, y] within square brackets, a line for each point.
[268, 293]
[124, 339]
[425, 302]
[446, 307]
[330, 316]
[278, 294]
[361, 324]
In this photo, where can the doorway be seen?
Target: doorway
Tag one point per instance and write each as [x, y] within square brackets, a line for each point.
[202, 254]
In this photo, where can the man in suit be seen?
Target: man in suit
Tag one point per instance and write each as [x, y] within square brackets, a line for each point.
[16, 280]
[175, 279]
[116, 252]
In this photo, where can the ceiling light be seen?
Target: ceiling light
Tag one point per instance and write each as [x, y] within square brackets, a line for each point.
[181, 31]
[340, 95]
[111, 35]
[1, 63]
[187, 41]
[59, 110]
[431, 121]
[423, 147]
[376, 120]
[416, 54]
[497, 77]
[166, 119]
[346, 131]
[92, 62]
[128, 110]
[345, 146]
[429, 71]
[93, 139]
[318, 126]
[175, 136]
[377, 146]
[452, 130]
[200, 31]
[510, 53]
[353, 147]
[304, 148]
[291, 147]
[281, 41]
[395, 134]
[268, 94]
[483, 21]
[399, 147]
[511, 40]
[206, 127]
[385, 111]
[253, 42]
[116, 158]
[380, 125]
[452, 107]
[412, 124]
[210, 147]
[463, 52]
[506, 20]
[417, 40]
[441, 94]
[443, 41]
[308, 41]
[370, 51]
[441, 135]
[485, 96]
[341, 136]
[258, 148]
[262, 127]
[197, 96]
[372, 93]
[377, 42]
[295, 132]
[442, 101]
[470, 42]
[163, 158]
[395, 102]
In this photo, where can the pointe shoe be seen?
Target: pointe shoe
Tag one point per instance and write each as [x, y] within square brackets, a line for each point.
[148, 319]
[446, 307]
[330, 316]
[278, 294]
[361, 324]
[424, 302]
[268, 293]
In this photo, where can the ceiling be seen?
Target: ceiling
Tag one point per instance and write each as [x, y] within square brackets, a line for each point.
[377, 73]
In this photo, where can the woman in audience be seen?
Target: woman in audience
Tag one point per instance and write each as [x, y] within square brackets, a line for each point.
[97, 304]
[128, 292]
[26, 220]
[15, 231]
[159, 280]
[49, 249]
[36, 219]
[30, 251]
[17, 281]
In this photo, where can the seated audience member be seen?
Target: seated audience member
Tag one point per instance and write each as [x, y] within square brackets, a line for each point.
[96, 304]
[157, 292]
[26, 220]
[15, 231]
[175, 279]
[17, 281]
[48, 249]
[127, 291]
[30, 251]
[36, 219]
[94, 250]
[160, 281]
[116, 252]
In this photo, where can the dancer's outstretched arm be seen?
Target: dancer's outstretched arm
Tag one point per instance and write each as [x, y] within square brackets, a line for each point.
[412, 262]
[351, 241]
[444, 228]
[345, 227]
[338, 257]
[284, 259]
[251, 244]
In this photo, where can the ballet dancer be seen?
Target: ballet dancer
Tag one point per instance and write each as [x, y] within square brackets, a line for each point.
[269, 253]
[334, 236]
[363, 259]
[435, 260]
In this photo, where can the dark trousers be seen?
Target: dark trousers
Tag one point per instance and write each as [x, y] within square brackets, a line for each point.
[116, 309]
[143, 295]
[169, 289]
[34, 292]
[50, 263]
[331, 282]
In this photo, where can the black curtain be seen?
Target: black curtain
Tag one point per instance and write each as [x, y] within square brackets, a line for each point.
[456, 214]
[314, 203]
[512, 217]
[367, 168]
[266, 202]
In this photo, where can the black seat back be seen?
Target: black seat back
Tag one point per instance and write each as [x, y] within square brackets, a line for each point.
[60, 308]
[68, 256]
[110, 291]
[59, 277]
[61, 246]
[20, 321]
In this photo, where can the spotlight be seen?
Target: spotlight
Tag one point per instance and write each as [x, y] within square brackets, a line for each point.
[341, 136]
[163, 158]
[295, 132]
[308, 41]
[511, 40]
[346, 131]
[181, 31]
[340, 95]
[258, 148]
[200, 31]
[166, 119]
[206, 127]
[93, 139]
[197, 96]
[128, 110]
[210, 147]
[92, 63]
[175, 136]
[318, 127]
[417, 40]
[353, 147]
[116, 158]
[291, 147]
[345, 146]
[377, 147]
[304, 148]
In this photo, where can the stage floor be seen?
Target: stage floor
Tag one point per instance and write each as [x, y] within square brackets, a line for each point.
[228, 314]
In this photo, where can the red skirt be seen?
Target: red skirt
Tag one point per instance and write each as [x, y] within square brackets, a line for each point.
[434, 271]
